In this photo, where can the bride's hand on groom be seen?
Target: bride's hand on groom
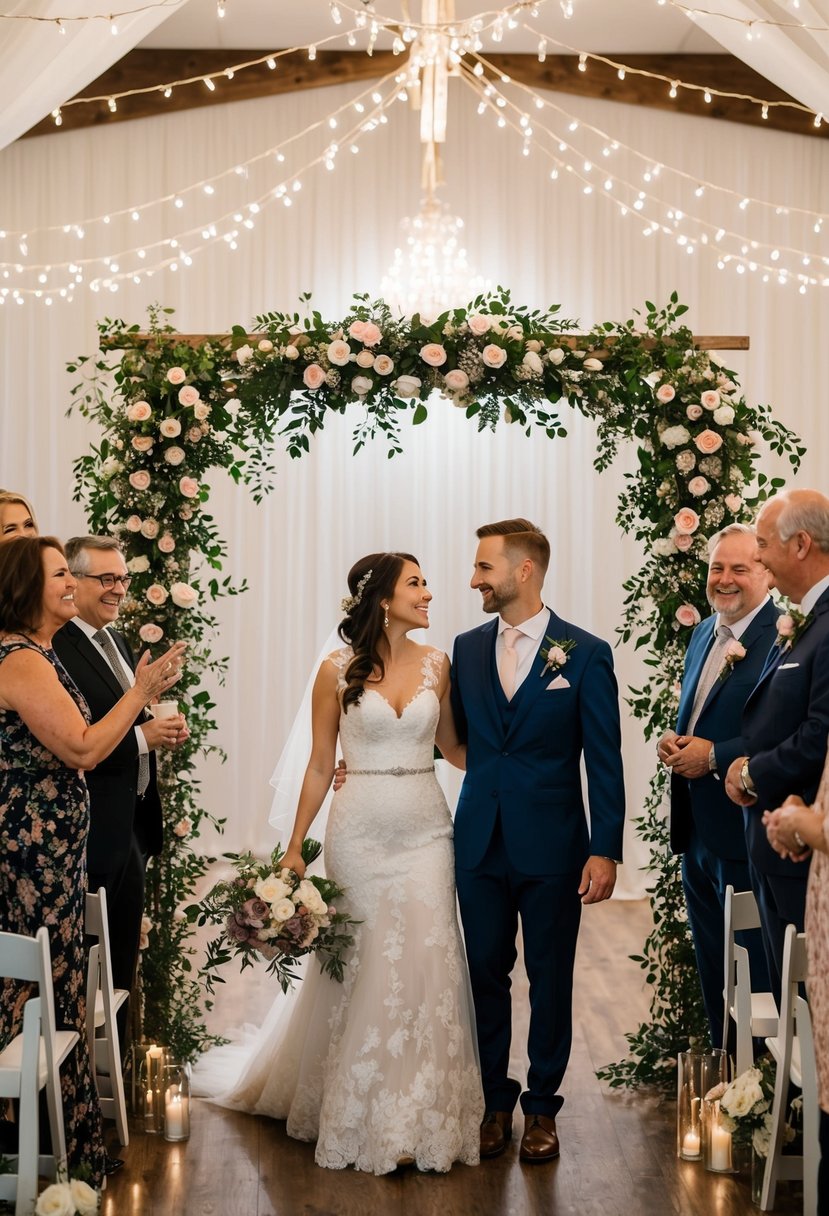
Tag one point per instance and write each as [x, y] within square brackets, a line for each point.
[598, 878]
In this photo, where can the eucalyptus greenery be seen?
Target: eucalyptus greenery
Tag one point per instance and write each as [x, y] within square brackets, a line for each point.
[170, 410]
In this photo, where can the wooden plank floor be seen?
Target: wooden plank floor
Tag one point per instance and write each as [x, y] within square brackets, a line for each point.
[618, 1150]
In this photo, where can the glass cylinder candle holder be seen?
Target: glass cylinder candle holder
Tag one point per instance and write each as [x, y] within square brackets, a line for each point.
[697, 1073]
[176, 1102]
[152, 1088]
[716, 1138]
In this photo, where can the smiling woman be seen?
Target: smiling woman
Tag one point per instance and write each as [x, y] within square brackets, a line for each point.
[16, 515]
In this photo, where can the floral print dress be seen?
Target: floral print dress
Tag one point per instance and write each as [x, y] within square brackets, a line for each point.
[44, 823]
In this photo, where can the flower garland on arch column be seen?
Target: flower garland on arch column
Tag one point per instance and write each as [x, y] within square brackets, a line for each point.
[171, 410]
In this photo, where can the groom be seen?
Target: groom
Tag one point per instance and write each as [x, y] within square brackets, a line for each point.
[531, 695]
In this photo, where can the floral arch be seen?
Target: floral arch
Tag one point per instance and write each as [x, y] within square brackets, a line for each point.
[171, 407]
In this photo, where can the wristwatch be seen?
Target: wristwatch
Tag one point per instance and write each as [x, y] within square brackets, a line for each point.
[745, 780]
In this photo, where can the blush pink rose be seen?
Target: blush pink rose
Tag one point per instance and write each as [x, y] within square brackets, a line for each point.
[151, 633]
[149, 528]
[183, 595]
[313, 376]
[156, 594]
[166, 543]
[785, 625]
[356, 330]
[456, 380]
[733, 502]
[176, 375]
[133, 524]
[710, 399]
[494, 356]
[383, 365]
[142, 443]
[339, 353]
[686, 521]
[371, 334]
[433, 354]
[140, 480]
[698, 486]
[139, 411]
[708, 442]
[682, 541]
[189, 487]
[170, 427]
[687, 615]
[364, 358]
[182, 828]
[188, 395]
[478, 323]
[175, 455]
[693, 412]
[201, 410]
[665, 393]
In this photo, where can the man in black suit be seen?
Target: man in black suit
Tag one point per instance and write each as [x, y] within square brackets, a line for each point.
[125, 811]
[726, 654]
[786, 717]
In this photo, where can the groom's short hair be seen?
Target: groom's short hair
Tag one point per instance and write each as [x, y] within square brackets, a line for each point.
[521, 539]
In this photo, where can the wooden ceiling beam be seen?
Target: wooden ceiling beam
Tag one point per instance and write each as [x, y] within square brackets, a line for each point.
[559, 73]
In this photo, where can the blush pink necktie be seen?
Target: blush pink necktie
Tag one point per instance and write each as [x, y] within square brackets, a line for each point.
[508, 664]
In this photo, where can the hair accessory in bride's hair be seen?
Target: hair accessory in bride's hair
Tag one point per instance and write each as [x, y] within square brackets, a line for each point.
[351, 601]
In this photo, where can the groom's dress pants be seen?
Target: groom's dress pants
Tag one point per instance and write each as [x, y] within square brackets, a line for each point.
[493, 896]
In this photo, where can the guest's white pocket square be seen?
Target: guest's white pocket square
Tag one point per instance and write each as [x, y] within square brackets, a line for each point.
[558, 682]
[786, 666]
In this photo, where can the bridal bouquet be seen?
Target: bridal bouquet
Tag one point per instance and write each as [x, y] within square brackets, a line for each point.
[268, 912]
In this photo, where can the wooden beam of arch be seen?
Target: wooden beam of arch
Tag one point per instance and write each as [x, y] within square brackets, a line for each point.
[295, 72]
[574, 341]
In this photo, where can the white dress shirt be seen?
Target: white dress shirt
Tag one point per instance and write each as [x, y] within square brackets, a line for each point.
[90, 632]
[739, 627]
[526, 646]
[813, 595]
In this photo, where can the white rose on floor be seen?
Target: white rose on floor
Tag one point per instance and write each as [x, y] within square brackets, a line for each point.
[85, 1199]
[556, 355]
[272, 889]
[339, 353]
[532, 360]
[56, 1200]
[383, 365]
[407, 386]
[138, 565]
[675, 436]
[283, 909]
[183, 595]
[494, 356]
[365, 358]
[724, 415]
[174, 455]
[243, 354]
[361, 385]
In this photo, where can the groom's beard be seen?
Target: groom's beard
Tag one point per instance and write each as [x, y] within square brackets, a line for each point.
[498, 598]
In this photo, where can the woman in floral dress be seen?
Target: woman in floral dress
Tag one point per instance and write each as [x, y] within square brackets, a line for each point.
[46, 741]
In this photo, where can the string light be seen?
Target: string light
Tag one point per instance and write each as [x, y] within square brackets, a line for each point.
[695, 13]
[110, 17]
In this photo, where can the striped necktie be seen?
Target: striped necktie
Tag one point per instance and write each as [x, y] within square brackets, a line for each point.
[104, 639]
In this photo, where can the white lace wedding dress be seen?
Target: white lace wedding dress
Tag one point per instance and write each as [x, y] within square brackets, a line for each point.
[384, 1065]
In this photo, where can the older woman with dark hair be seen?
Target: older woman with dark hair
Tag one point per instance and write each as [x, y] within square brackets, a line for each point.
[16, 515]
[46, 743]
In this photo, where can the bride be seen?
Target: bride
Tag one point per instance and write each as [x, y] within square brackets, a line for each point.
[380, 1070]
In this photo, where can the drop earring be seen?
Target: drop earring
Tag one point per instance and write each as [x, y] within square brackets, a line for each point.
[386, 617]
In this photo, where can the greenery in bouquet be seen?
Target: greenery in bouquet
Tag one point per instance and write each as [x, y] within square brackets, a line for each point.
[745, 1107]
[267, 912]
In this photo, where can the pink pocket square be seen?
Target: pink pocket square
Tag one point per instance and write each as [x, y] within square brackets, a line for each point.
[558, 682]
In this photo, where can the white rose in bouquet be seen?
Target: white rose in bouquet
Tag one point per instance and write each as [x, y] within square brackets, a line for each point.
[284, 909]
[272, 889]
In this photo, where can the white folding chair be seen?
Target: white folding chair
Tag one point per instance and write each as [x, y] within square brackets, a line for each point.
[102, 1003]
[811, 1110]
[31, 1062]
[787, 1052]
[754, 1014]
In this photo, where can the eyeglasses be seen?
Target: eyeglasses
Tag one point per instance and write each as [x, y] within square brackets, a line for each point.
[108, 581]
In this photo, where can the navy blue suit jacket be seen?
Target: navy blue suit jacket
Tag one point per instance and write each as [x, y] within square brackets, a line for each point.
[113, 784]
[531, 770]
[703, 801]
[786, 727]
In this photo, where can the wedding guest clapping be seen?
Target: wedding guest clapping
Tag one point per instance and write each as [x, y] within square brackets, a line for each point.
[46, 742]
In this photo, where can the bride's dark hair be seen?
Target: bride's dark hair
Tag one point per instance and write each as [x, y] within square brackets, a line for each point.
[370, 580]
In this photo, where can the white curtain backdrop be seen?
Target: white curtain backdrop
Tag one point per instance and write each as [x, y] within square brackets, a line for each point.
[546, 241]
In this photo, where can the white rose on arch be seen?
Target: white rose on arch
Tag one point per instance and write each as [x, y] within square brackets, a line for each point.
[361, 385]
[243, 354]
[456, 380]
[183, 595]
[532, 360]
[138, 565]
[407, 386]
[724, 415]
[675, 436]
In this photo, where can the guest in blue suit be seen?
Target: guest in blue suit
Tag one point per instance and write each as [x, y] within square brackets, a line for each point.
[725, 656]
[532, 695]
[786, 717]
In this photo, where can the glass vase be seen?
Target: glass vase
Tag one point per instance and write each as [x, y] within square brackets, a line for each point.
[697, 1073]
[152, 1089]
[176, 1086]
[758, 1169]
[717, 1149]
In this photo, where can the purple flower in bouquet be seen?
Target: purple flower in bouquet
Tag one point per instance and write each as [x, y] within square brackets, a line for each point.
[237, 929]
[255, 912]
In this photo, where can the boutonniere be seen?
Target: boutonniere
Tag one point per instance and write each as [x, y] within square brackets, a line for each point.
[735, 652]
[555, 655]
[790, 626]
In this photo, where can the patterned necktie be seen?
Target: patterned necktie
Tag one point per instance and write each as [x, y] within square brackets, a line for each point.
[708, 676]
[508, 663]
[104, 640]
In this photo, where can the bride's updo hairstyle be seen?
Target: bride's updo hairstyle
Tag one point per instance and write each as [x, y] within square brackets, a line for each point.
[370, 580]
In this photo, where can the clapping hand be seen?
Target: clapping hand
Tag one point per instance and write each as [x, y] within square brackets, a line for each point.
[154, 676]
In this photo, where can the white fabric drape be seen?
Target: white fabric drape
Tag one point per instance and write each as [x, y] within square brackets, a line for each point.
[40, 67]
[546, 241]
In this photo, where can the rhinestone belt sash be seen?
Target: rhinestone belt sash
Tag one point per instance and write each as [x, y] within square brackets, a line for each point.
[388, 772]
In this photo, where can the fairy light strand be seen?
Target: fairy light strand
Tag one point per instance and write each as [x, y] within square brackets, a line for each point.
[694, 13]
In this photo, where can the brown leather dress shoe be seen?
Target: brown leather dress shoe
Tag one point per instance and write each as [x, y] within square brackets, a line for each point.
[540, 1139]
[496, 1132]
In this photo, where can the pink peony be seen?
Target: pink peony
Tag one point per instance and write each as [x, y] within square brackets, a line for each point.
[371, 334]
[494, 356]
[693, 411]
[166, 543]
[183, 595]
[356, 330]
[188, 395]
[133, 524]
[433, 354]
[708, 442]
[139, 411]
[456, 380]
[665, 393]
[176, 375]
[189, 487]
[140, 480]
[156, 594]
[686, 521]
[151, 633]
[170, 427]
[313, 376]
[687, 615]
